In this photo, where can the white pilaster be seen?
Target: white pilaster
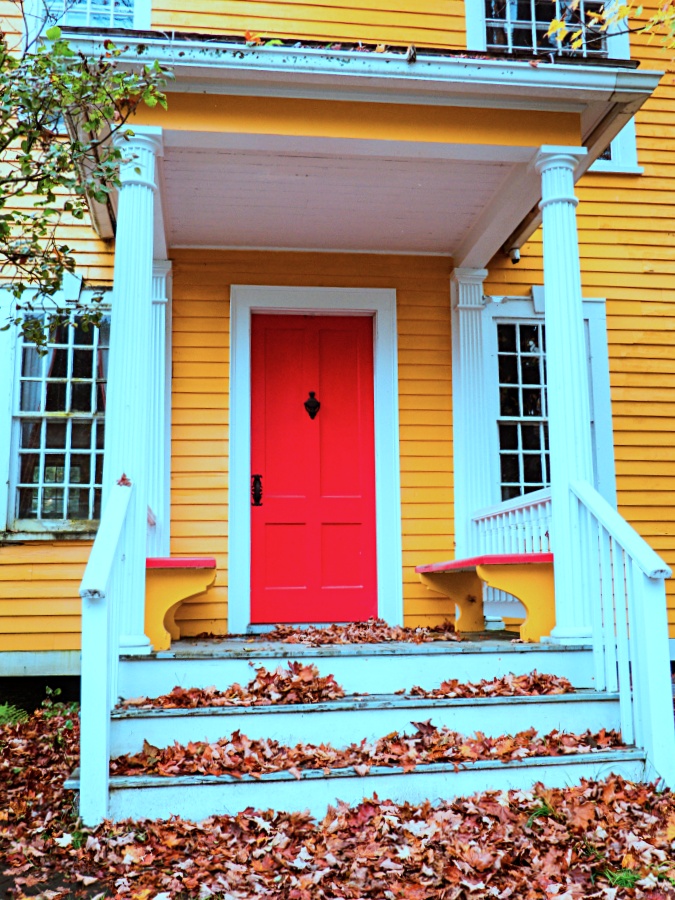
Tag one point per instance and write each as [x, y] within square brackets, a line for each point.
[568, 387]
[130, 374]
[160, 411]
[470, 438]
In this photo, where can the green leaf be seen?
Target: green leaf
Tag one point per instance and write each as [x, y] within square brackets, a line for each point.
[53, 33]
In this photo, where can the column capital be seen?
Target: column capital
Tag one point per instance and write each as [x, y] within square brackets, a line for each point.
[139, 150]
[560, 157]
[161, 273]
[464, 275]
[467, 288]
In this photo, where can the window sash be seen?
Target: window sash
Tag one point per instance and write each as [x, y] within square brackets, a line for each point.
[58, 431]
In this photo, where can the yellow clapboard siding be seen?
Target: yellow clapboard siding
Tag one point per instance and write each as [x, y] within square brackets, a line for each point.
[36, 641]
[437, 24]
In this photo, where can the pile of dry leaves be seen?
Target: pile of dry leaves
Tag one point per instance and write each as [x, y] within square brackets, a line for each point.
[608, 840]
[374, 631]
[304, 684]
[534, 684]
[239, 755]
[295, 684]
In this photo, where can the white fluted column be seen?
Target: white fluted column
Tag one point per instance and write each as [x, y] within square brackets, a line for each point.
[568, 386]
[159, 489]
[470, 439]
[130, 373]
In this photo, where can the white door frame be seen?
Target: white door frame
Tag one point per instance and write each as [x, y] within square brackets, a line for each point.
[381, 303]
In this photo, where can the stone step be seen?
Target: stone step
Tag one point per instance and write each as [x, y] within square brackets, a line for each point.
[359, 668]
[352, 719]
[196, 797]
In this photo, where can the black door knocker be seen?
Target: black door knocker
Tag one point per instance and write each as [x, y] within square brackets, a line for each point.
[256, 490]
[312, 405]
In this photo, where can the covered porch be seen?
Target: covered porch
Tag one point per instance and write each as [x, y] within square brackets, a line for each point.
[314, 184]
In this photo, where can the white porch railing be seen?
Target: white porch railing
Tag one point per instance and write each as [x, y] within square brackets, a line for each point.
[100, 653]
[521, 525]
[626, 592]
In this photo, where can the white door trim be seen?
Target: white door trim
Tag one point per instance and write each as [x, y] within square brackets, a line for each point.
[246, 299]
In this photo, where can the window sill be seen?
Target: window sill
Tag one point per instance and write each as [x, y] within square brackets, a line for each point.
[23, 537]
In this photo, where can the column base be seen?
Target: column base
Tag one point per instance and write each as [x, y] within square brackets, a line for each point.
[571, 637]
[135, 645]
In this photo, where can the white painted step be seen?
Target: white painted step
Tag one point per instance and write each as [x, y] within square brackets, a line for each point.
[351, 719]
[359, 668]
[197, 797]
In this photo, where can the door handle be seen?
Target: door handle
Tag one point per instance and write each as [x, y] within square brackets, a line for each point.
[256, 490]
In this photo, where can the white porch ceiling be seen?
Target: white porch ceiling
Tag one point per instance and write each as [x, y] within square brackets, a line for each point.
[243, 198]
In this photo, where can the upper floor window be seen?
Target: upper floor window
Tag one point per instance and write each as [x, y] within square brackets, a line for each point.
[92, 13]
[58, 429]
[520, 27]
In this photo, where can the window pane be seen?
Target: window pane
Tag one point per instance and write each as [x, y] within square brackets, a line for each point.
[506, 338]
[30, 434]
[531, 437]
[78, 504]
[532, 469]
[100, 434]
[81, 436]
[31, 363]
[530, 372]
[80, 468]
[81, 399]
[532, 402]
[83, 333]
[30, 396]
[97, 504]
[508, 436]
[28, 503]
[57, 392]
[529, 339]
[510, 468]
[52, 503]
[82, 364]
[509, 404]
[99, 468]
[56, 435]
[508, 369]
[55, 468]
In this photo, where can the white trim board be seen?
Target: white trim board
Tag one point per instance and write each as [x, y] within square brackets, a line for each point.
[381, 303]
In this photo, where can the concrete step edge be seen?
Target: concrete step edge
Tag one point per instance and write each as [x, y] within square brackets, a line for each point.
[364, 704]
[629, 754]
[235, 650]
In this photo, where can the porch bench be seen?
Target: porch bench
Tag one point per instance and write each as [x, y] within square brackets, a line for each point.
[168, 582]
[526, 576]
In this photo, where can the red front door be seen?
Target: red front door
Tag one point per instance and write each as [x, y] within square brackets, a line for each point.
[313, 555]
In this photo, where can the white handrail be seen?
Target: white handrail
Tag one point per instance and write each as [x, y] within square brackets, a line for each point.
[624, 586]
[100, 562]
[643, 555]
[100, 651]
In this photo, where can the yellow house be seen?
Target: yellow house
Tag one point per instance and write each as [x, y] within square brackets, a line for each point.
[342, 346]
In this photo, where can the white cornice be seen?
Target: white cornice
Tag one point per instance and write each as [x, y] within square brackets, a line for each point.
[228, 68]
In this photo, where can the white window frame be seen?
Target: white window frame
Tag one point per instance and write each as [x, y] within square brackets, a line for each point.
[34, 13]
[521, 310]
[624, 146]
[381, 304]
[10, 360]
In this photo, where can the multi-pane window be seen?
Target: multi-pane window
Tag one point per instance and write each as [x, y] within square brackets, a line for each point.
[523, 413]
[59, 425]
[93, 13]
[521, 26]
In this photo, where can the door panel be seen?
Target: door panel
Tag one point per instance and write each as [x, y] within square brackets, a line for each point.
[313, 554]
